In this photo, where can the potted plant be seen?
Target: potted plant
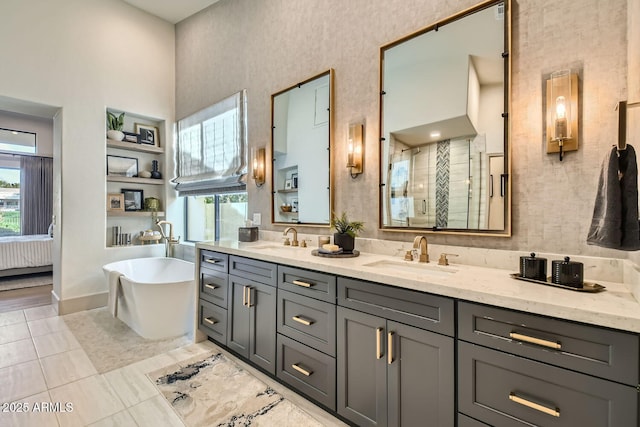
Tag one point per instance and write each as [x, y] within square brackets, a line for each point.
[346, 232]
[114, 126]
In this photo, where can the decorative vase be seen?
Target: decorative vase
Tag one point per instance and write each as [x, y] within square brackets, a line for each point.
[155, 173]
[115, 135]
[345, 241]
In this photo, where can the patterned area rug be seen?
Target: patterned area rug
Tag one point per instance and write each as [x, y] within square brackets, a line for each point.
[25, 281]
[111, 344]
[214, 391]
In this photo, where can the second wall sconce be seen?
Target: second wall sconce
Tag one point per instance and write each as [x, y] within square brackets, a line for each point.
[258, 165]
[562, 112]
[355, 149]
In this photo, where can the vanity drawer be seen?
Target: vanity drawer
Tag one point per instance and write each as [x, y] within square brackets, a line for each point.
[505, 390]
[307, 370]
[253, 269]
[310, 283]
[464, 421]
[590, 349]
[215, 261]
[214, 287]
[307, 320]
[213, 321]
[425, 311]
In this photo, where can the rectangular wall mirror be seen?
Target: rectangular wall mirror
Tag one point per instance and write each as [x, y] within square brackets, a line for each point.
[300, 143]
[444, 156]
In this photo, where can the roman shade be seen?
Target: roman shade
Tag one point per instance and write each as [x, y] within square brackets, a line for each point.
[212, 149]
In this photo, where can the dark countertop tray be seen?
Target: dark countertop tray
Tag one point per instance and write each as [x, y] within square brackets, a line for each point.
[586, 286]
[353, 254]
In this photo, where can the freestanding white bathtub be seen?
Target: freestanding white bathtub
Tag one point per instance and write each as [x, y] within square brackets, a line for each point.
[157, 297]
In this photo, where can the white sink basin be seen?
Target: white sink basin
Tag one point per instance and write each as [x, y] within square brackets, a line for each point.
[271, 246]
[412, 267]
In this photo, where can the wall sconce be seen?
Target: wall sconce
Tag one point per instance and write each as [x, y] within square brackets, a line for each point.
[562, 112]
[355, 149]
[258, 165]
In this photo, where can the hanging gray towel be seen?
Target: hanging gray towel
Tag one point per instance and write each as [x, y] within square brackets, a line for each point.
[615, 213]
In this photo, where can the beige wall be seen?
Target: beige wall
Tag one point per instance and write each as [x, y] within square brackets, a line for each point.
[265, 46]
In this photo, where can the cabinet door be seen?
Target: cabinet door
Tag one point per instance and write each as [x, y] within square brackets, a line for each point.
[420, 373]
[238, 316]
[261, 300]
[362, 370]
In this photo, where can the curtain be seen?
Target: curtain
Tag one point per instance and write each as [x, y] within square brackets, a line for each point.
[36, 194]
[212, 155]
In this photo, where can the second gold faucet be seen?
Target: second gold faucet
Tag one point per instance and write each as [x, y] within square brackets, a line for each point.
[295, 236]
[421, 242]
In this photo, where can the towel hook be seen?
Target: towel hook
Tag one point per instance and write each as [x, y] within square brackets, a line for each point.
[622, 125]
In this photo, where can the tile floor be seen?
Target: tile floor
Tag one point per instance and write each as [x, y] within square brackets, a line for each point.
[42, 362]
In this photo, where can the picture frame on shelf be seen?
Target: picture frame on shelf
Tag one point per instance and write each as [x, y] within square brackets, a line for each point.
[148, 134]
[132, 137]
[122, 166]
[287, 184]
[133, 199]
[294, 180]
[294, 205]
[115, 202]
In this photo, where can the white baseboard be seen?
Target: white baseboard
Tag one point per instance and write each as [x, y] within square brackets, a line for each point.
[72, 305]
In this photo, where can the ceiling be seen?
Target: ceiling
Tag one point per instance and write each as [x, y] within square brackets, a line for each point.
[171, 10]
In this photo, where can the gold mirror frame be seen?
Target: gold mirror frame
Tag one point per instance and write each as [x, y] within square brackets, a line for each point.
[279, 191]
[506, 231]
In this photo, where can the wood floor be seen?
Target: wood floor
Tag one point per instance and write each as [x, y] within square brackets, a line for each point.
[18, 299]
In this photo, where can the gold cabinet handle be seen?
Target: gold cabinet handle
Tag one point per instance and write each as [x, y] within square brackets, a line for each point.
[248, 296]
[209, 321]
[211, 261]
[390, 348]
[302, 370]
[533, 340]
[379, 343]
[208, 286]
[302, 320]
[244, 296]
[529, 404]
[303, 284]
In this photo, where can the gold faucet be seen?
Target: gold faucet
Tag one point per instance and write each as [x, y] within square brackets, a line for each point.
[421, 242]
[295, 235]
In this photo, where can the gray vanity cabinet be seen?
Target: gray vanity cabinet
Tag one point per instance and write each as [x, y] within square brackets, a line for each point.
[392, 373]
[251, 330]
[306, 352]
[521, 369]
[213, 283]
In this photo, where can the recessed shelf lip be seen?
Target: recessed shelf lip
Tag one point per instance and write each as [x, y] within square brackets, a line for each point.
[132, 146]
[135, 180]
[134, 213]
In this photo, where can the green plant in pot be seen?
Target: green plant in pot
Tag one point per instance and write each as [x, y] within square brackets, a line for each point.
[346, 231]
[114, 126]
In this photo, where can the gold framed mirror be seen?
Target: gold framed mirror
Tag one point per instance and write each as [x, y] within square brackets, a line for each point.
[444, 102]
[301, 176]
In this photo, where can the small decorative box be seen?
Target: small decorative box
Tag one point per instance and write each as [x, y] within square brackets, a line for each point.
[247, 234]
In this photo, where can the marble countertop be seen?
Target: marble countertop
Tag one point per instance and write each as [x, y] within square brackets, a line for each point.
[615, 308]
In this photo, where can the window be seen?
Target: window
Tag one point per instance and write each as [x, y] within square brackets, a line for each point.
[212, 149]
[215, 217]
[212, 167]
[14, 141]
[9, 201]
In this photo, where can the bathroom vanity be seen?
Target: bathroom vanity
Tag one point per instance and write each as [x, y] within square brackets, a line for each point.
[383, 342]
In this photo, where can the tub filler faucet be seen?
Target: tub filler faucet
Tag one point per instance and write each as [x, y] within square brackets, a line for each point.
[168, 241]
